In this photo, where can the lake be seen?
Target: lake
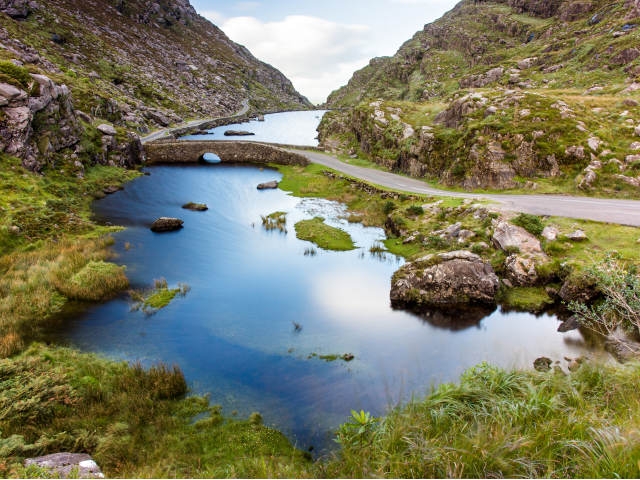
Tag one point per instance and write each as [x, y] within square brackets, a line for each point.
[291, 128]
[233, 334]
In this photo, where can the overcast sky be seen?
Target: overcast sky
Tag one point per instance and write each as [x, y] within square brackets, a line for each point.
[318, 44]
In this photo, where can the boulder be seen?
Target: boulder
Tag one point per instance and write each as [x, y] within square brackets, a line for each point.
[550, 233]
[268, 185]
[166, 224]
[63, 465]
[572, 323]
[506, 236]
[107, 129]
[521, 270]
[445, 280]
[577, 236]
[196, 207]
[17, 8]
[237, 133]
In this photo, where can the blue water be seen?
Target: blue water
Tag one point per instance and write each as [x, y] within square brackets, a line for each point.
[233, 333]
[291, 128]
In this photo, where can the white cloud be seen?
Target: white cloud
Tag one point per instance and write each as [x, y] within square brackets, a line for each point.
[213, 16]
[246, 5]
[317, 55]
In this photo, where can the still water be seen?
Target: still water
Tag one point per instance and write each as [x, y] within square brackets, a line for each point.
[233, 333]
[291, 128]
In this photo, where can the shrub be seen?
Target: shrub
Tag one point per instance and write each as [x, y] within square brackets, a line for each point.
[388, 207]
[415, 210]
[531, 223]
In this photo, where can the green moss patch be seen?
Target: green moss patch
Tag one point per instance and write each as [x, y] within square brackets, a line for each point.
[323, 235]
[525, 298]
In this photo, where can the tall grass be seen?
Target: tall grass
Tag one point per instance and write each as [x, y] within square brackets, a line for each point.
[35, 284]
[496, 423]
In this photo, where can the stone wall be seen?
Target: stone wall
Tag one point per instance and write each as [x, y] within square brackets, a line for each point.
[191, 151]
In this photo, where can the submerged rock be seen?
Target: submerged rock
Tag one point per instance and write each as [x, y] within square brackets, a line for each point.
[63, 465]
[268, 185]
[445, 280]
[166, 224]
[196, 207]
[237, 133]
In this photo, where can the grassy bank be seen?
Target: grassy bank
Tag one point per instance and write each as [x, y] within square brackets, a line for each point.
[134, 421]
[496, 423]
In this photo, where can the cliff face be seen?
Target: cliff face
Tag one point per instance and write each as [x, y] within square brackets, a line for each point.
[505, 94]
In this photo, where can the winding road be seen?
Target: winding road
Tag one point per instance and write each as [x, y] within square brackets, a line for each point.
[624, 212]
[192, 124]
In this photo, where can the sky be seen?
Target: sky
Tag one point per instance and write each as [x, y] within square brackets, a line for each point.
[318, 44]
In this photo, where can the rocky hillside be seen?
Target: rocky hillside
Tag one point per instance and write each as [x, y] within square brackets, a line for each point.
[506, 94]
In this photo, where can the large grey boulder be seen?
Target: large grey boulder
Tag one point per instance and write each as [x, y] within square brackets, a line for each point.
[509, 236]
[166, 224]
[521, 264]
[107, 129]
[445, 280]
[63, 465]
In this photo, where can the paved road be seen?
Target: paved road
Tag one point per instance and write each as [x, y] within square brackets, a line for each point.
[625, 212]
[192, 124]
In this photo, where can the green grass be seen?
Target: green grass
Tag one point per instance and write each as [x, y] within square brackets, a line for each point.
[95, 281]
[497, 423]
[159, 297]
[323, 235]
[531, 299]
[134, 421]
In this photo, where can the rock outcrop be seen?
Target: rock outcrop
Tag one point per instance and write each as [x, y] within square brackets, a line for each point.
[67, 465]
[446, 280]
[525, 253]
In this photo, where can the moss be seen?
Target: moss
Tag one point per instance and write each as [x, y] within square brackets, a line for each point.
[15, 75]
[525, 298]
[323, 235]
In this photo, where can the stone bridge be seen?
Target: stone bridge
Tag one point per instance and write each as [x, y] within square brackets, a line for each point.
[192, 151]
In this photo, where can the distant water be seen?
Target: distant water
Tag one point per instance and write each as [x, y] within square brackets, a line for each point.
[233, 333]
[291, 128]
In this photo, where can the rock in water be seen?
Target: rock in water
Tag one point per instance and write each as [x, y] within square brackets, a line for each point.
[62, 465]
[166, 224]
[542, 364]
[445, 280]
[268, 185]
[237, 133]
[196, 207]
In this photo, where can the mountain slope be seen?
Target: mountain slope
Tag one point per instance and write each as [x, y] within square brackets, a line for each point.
[141, 62]
[506, 94]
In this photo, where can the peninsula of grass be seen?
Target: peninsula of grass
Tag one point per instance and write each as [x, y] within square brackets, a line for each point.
[323, 235]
